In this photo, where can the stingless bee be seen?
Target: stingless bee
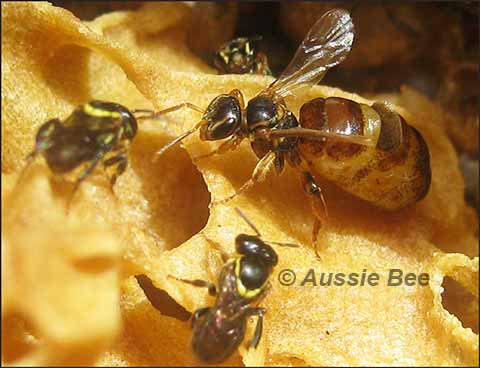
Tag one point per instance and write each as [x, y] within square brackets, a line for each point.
[368, 151]
[243, 281]
[96, 132]
[240, 56]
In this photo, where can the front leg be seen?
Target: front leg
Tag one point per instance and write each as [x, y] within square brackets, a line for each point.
[230, 144]
[151, 114]
[215, 245]
[119, 162]
[84, 174]
[260, 312]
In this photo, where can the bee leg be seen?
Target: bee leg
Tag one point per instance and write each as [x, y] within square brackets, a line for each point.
[260, 312]
[83, 175]
[120, 161]
[198, 314]
[259, 174]
[216, 246]
[212, 290]
[316, 200]
[28, 161]
[230, 144]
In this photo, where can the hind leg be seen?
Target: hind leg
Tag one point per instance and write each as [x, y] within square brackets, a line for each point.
[317, 201]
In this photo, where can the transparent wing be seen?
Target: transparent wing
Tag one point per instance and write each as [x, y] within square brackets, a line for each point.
[322, 135]
[327, 44]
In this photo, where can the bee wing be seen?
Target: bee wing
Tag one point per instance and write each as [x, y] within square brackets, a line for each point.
[321, 135]
[327, 44]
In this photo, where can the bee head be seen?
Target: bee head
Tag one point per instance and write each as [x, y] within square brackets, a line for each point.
[237, 56]
[254, 266]
[222, 118]
[250, 245]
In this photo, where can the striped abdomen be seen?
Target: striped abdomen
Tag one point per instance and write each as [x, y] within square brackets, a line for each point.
[392, 174]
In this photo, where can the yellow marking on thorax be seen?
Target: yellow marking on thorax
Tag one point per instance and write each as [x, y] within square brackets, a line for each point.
[242, 290]
[99, 113]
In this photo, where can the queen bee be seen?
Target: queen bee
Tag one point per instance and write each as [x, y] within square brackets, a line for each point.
[368, 151]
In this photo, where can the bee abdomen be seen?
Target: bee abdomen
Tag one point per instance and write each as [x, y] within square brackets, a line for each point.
[335, 115]
[392, 174]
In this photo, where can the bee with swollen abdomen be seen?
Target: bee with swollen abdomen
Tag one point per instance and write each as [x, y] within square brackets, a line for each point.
[243, 281]
[96, 132]
[369, 151]
[240, 56]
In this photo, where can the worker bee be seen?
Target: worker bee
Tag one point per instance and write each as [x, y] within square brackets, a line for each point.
[241, 56]
[243, 281]
[368, 151]
[96, 132]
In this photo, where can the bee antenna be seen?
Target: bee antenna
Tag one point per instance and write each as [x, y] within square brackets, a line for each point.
[28, 161]
[245, 218]
[176, 140]
[291, 245]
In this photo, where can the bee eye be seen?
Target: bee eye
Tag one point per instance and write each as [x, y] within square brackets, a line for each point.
[130, 128]
[222, 129]
[253, 272]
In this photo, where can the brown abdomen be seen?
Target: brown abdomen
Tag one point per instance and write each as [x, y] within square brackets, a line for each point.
[392, 174]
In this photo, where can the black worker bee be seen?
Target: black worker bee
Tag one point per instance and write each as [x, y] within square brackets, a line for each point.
[244, 280]
[241, 56]
[95, 132]
[368, 151]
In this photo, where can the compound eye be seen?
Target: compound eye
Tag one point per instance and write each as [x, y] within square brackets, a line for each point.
[221, 129]
[130, 127]
[253, 272]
